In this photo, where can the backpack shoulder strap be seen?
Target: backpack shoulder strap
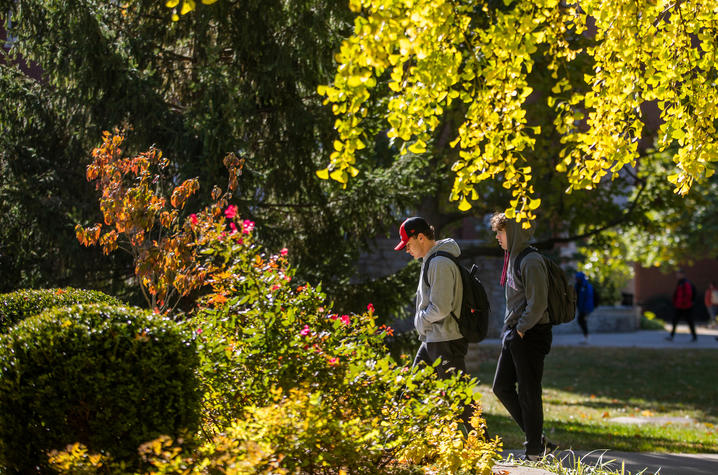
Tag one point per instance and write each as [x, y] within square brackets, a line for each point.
[428, 259]
[520, 257]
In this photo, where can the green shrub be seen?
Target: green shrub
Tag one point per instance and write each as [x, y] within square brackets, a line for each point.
[650, 322]
[17, 306]
[109, 377]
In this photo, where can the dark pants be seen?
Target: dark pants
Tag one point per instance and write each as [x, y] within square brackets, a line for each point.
[582, 323]
[521, 363]
[684, 314]
[452, 355]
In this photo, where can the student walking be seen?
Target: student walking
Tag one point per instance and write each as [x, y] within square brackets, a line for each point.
[710, 298]
[438, 330]
[683, 297]
[526, 338]
[584, 302]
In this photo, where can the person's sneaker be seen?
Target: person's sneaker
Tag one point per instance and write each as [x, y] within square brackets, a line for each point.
[548, 446]
[530, 458]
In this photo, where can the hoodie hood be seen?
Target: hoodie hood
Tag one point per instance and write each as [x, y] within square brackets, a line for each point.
[517, 239]
[446, 245]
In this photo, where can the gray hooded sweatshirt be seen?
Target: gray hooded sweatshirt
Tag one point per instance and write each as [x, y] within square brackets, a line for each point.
[435, 303]
[527, 297]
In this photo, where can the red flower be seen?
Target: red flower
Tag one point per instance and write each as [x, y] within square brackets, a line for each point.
[370, 308]
[333, 316]
[333, 361]
[284, 252]
[230, 212]
[247, 226]
[199, 331]
[305, 331]
[345, 319]
[193, 219]
[233, 227]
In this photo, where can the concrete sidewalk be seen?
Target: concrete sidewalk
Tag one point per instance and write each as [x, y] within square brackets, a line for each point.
[638, 339]
[634, 462]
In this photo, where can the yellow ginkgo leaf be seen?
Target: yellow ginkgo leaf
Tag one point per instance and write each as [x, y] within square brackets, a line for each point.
[172, 3]
[354, 81]
[339, 175]
[323, 174]
[418, 147]
[208, 2]
[533, 204]
[187, 6]
[464, 205]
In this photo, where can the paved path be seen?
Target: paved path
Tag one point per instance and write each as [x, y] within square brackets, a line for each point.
[661, 463]
[633, 463]
[637, 339]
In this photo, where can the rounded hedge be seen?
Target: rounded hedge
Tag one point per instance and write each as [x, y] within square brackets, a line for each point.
[109, 377]
[18, 305]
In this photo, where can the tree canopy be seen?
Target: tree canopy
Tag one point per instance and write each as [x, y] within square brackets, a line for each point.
[235, 77]
[425, 57]
[483, 103]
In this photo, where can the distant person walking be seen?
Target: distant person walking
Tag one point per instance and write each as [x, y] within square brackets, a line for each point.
[526, 337]
[683, 297]
[584, 302]
[711, 300]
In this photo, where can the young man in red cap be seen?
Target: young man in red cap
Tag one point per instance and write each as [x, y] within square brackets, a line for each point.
[438, 330]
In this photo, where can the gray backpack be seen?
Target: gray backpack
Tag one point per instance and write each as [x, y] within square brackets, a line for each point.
[561, 294]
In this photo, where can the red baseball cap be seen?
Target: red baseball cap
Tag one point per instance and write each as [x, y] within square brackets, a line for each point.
[410, 228]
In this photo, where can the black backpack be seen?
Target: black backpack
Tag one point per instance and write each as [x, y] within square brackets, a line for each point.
[561, 294]
[474, 319]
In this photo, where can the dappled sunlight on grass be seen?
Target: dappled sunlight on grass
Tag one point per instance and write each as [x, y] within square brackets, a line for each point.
[672, 393]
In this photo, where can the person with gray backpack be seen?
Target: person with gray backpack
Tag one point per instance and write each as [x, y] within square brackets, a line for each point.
[527, 334]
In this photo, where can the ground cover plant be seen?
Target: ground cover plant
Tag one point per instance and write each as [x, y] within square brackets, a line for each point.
[585, 388]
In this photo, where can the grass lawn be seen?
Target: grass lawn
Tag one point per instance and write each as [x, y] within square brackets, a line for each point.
[584, 388]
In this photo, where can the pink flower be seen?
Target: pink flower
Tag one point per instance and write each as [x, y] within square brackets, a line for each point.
[275, 287]
[345, 319]
[333, 361]
[230, 212]
[370, 308]
[305, 331]
[284, 252]
[247, 226]
[233, 227]
[199, 331]
[193, 219]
